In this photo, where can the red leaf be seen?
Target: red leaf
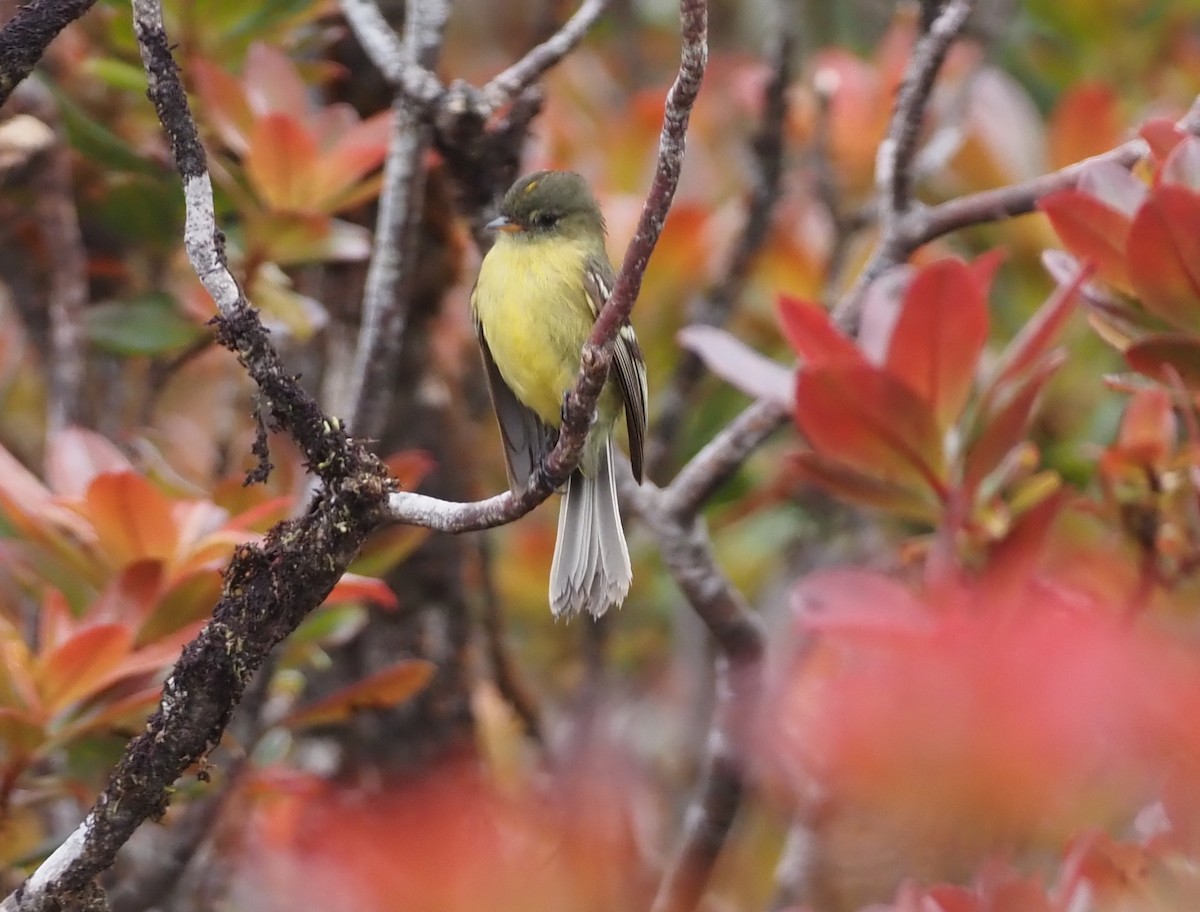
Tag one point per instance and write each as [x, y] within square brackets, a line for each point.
[1092, 230]
[381, 690]
[1148, 428]
[869, 491]
[1153, 354]
[1182, 166]
[809, 331]
[1164, 255]
[1037, 336]
[939, 336]
[1005, 421]
[1162, 135]
[872, 423]
[739, 365]
[984, 267]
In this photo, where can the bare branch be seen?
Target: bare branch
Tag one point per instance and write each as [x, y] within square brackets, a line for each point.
[688, 556]
[713, 308]
[503, 89]
[390, 273]
[894, 160]
[28, 33]
[722, 457]
[390, 54]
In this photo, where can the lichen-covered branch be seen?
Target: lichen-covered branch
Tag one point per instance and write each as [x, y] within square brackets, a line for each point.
[25, 37]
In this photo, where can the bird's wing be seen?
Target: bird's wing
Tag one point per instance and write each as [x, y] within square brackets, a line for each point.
[629, 363]
[526, 437]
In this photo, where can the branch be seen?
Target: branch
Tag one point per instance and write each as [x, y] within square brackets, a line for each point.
[389, 53]
[504, 88]
[714, 307]
[688, 556]
[28, 33]
[894, 161]
[388, 292]
[722, 457]
[580, 402]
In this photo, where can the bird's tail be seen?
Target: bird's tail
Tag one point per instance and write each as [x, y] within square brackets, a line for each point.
[591, 567]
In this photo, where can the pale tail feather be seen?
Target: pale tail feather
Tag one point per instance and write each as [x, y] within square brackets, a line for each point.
[591, 569]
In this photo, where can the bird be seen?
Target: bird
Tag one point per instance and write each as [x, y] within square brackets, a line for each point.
[540, 288]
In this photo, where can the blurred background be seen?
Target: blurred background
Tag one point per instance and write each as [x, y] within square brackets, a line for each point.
[431, 738]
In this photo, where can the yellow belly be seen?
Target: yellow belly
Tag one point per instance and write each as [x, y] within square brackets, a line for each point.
[535, 317]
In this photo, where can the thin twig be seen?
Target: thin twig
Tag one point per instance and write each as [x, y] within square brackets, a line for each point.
[894, 160]
[713, 308]
[504, 88]
[391, 270]
[389, 54]
[716, 463]
[688, 556]
[28, 33]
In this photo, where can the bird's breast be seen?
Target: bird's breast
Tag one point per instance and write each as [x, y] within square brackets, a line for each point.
[532, 305]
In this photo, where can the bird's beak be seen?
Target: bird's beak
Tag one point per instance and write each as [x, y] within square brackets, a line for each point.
[502, 223]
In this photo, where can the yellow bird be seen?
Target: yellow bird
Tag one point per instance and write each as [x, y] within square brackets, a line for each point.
[539, 291]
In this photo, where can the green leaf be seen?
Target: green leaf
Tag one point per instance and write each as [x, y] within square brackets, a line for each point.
[97, 142]
[146, 326]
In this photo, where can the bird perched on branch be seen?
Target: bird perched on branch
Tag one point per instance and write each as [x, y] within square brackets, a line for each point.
[540, 289]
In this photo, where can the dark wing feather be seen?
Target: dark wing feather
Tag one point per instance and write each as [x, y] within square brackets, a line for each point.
[526, 437]
[628, 362]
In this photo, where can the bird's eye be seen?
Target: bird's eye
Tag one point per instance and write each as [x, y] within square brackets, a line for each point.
[543, 219]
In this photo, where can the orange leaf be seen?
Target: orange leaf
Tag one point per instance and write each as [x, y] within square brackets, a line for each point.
[81, 665]
[1164, 255]
[224, 104]
[1085, 123]
[273, 84]
[357, 153]
[870, 422]
[280, 163]
[409, 467]
[378, 691]
[354, 588]
[939, 336]
[132, 518]
[1092, 230]
[811, 333]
